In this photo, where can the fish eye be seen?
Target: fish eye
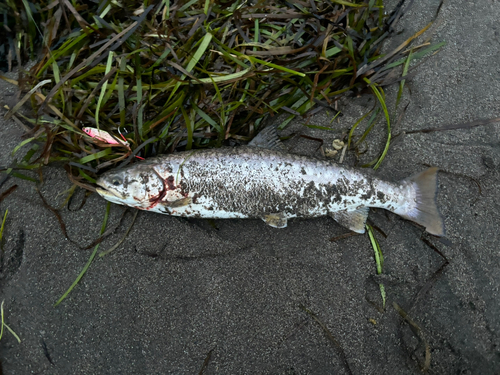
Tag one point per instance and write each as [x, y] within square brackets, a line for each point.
[116, 181]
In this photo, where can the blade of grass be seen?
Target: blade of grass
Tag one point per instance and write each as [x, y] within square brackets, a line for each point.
[223, 78]
[3, 223]
[348, 3]
[26, 159]
[58, 113]
[405, 72]
[379, 93]
[187, 5]
[103, 88]
[416, 56]
[383, 294]
[379, 260]
[26, 141]
[86, 176]
[207, 6]
[6, 326]
[189, 128]
[369, 127]
[95, 156]
[25, 98]
[223, 118]
[92, 256]
[111, 89]
[62, 51]
[275, 66]
[91, 72]
[196, 57]
[11, 81]
[84, 63]
[24, 177]
[376, 63]
[140, 109]
[229, 53]
[121, 91]
[207, 118]
[319, 127]
[354, 128]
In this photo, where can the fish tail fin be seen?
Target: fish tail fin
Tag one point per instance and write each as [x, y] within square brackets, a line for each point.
[425, 211]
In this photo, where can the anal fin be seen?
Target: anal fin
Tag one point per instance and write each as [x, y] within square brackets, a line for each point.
[354, 220]
[277, 220]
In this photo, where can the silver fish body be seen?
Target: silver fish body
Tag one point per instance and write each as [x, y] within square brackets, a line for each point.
[252, 182]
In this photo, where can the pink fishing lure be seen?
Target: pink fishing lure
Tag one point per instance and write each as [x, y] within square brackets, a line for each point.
[104, 136]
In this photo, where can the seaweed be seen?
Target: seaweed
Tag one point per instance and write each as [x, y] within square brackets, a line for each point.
[175, 75]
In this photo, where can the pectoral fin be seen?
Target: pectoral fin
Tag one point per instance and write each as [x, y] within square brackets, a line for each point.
[178, 203]
[354, 220]
[275, 220]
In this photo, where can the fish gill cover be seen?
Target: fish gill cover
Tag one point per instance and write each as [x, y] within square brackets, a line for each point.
[175, 75]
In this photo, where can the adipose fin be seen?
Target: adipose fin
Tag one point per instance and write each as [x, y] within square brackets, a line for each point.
[268, 138]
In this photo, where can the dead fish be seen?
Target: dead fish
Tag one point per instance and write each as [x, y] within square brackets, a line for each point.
[262, 181]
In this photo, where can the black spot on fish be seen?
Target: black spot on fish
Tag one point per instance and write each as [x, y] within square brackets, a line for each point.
[170, 183]
[184, 189]
[144, 177]
[381, 196]
[333, 192]
[367, 195]
[310, 187]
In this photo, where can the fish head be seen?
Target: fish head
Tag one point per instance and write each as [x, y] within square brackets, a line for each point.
[140, 187]
[88, 131]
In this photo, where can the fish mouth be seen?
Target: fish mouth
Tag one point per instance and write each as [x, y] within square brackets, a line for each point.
[106, 192]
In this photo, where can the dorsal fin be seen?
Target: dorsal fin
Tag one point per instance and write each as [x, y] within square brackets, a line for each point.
[268, 138]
